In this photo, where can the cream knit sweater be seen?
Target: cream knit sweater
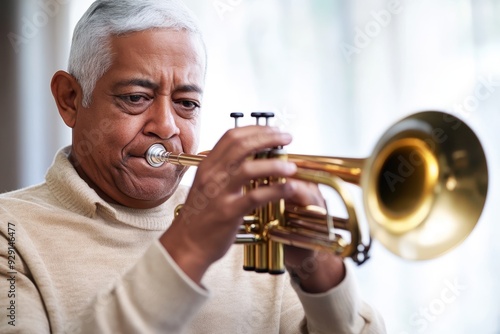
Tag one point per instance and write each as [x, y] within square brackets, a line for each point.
[72, 263]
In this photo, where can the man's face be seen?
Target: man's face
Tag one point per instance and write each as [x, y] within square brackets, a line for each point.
[151, 94]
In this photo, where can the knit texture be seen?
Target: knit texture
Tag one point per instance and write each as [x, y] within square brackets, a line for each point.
[85, 266]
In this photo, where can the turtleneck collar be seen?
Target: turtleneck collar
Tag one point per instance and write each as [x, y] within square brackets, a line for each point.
[75, 195]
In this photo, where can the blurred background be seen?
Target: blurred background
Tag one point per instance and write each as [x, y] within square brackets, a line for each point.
[337, 74]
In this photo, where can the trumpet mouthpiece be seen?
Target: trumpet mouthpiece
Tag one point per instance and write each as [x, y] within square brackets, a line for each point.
[157, 155]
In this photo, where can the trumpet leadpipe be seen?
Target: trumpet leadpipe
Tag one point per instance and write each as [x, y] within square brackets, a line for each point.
[157, 155]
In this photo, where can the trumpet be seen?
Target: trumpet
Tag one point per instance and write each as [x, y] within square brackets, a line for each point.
[424, 187]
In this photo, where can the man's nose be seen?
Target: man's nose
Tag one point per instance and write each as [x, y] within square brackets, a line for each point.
[161, 122]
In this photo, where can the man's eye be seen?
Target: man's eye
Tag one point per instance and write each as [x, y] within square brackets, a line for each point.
[134, 98]
[134, 103]
[189, 104]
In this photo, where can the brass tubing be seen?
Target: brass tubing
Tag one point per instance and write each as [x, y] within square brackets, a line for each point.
[305, 239]
[276, 216]
[261, 263]
[299, 216]
[261, 214]
[348, 169]
[247, 238]
[276, 258]
[261, 249]
[157, 156]
[250, 224]
[249, 257]
[184, 159]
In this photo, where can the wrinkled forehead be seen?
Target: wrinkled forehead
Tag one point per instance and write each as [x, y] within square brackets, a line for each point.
[162, 60]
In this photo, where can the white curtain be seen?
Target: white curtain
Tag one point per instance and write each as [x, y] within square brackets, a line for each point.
[337, 74]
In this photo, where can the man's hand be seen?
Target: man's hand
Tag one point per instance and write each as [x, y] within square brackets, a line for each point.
[209, 220]
[317, 271]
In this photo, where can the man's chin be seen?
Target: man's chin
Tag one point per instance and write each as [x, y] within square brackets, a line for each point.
[147, 195]
[143, 203]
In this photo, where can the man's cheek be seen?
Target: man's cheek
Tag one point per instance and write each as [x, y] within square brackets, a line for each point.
[190, 136]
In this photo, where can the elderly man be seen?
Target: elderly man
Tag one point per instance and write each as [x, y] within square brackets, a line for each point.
[92, 250]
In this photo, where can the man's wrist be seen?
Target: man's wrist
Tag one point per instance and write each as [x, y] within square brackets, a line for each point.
[328, 272]
[191, 265]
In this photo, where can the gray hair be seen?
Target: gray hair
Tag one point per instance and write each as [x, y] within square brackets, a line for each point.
[90, 54]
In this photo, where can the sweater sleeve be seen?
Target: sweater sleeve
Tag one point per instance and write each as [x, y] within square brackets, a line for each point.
[339, 310]
[23, 310]
[24, 300]
[140, 303]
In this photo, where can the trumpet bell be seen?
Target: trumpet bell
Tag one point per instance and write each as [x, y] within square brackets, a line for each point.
[425, 185]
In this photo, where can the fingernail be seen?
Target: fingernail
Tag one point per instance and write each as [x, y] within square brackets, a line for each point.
[287, 136]
[291, 167]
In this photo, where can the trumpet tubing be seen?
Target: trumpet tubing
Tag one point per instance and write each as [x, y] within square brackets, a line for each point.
[424, 188]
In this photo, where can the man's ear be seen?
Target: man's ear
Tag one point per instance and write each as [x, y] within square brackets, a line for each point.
[67, 92]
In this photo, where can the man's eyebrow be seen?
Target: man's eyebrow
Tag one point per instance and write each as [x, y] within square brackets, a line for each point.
[189, 88]
[136, 82]
[151, 85]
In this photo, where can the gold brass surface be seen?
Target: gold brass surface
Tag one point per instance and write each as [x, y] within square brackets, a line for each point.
[424, 187]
